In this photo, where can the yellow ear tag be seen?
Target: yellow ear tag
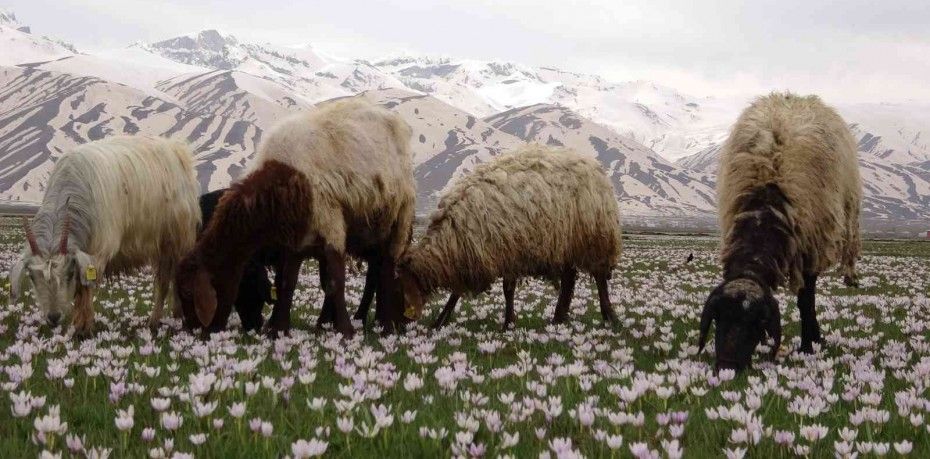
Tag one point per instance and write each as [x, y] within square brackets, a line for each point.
[274, 293]
[410, 312]
[91, 273]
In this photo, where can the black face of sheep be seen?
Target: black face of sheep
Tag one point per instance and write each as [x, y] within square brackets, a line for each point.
[744, 312]
[196, 292]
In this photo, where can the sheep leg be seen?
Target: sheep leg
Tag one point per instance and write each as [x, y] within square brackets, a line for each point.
[252, 296]
[327, 314]
[603, 295]
[83, 317]
[510, 285]
[388, 310]
[566, 292]
[443, 318]
[371, 284]
[285, 281]
[158, 309]
[163, 291]
[853, 246]
[810, 329]
[335, 289]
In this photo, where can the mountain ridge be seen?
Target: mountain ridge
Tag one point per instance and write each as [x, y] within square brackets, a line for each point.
[658, 146]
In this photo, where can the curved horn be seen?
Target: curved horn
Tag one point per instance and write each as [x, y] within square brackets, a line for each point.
[774, 330]
[707, 316]
[65, 229]
[33, 245]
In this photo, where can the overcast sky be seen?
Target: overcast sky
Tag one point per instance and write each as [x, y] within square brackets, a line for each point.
[847, 51]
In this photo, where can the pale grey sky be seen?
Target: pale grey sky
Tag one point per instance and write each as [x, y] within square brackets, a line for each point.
[850, 51]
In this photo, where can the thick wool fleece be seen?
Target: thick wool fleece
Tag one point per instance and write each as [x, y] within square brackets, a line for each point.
[532, 212]
[805, 149]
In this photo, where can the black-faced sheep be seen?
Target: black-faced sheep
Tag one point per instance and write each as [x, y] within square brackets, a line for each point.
[789, 195]
[110, 207]
[330, 183]
[533, 212]
[255, 287]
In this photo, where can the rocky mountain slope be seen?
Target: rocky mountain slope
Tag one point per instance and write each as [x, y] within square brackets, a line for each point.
[220, 94]
[43, 114]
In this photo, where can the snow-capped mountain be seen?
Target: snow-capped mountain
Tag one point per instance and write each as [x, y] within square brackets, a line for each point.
[671, 124]
[18, 44]
[130, 66]
[447, 142]
[220, 94]
[894, 132]
[480, 88]
[43, 114]
[303, 71]
[645, 182]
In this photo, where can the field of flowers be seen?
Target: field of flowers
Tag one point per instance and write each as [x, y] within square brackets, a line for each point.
[470, 390]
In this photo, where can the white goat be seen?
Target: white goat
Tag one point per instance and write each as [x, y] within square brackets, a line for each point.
[110, 207]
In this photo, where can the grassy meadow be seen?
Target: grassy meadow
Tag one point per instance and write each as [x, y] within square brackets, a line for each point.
[583, 389]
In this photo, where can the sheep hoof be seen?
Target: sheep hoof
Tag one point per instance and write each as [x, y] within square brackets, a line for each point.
[83, 333]
[273, 331]
[851, 281]
[347, 332]
[806, 348]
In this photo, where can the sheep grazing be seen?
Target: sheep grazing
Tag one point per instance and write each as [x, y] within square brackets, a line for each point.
[334, 182]
[110, 207]
[255, 288]
[534, 212]
[789, 195]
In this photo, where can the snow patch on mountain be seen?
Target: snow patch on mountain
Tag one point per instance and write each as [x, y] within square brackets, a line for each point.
[44, 114]
[18, 45]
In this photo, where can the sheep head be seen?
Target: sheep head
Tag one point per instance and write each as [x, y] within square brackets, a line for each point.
[744, 311]
[413, 298]
[196, 292]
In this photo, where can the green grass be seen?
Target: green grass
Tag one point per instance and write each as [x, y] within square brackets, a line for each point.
[657, 299]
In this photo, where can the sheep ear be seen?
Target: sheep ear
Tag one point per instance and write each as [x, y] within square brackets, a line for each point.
[707, 317]
[17, 275]
[204, 298]
[773, 327]
[87, 272]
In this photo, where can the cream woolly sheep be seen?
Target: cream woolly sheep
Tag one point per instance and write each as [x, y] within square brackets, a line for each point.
[534, 212]
[334, 182]
[110, 206]
[789, 195]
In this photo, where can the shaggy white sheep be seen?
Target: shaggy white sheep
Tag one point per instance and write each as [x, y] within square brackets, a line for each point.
[533, 212]
[789, 196]
[334, 182]
[110, 207]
